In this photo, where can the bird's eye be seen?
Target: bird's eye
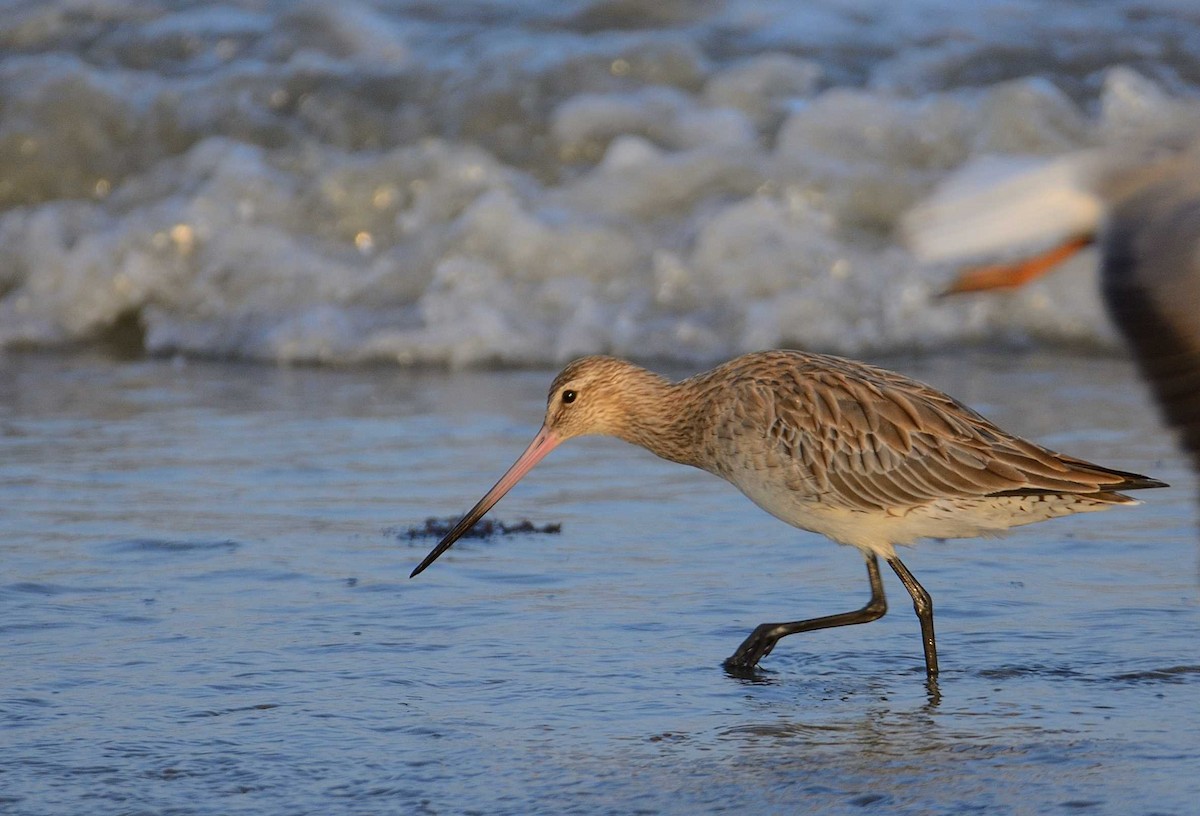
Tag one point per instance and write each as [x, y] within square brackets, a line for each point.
[568, 396]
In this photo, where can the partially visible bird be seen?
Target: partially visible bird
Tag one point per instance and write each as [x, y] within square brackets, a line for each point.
[865, 456]
[1140, 203]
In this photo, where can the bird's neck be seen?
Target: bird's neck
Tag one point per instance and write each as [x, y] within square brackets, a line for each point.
[660, 417]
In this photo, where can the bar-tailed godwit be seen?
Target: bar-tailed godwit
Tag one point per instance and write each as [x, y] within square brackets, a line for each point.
[865, 456]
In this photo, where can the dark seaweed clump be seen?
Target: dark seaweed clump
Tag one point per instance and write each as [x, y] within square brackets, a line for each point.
[486, 528]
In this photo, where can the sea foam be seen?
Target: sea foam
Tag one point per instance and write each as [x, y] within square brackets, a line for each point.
[519, 184]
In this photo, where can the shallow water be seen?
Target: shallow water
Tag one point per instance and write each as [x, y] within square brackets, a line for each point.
[205, 608]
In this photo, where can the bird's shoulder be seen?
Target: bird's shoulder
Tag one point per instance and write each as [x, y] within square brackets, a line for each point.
[840, 398]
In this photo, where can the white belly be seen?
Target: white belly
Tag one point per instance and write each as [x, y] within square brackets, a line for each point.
[879, 531]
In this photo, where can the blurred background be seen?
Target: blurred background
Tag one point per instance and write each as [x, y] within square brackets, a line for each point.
[521, 182]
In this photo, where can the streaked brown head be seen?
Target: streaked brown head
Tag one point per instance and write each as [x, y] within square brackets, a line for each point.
[599, 395]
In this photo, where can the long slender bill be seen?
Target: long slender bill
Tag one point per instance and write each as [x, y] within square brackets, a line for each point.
[543, 443]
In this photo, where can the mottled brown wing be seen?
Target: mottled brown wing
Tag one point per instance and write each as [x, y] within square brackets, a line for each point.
[866, 438]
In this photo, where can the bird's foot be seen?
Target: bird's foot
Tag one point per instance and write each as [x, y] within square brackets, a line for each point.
[747, 674]
[753, 649]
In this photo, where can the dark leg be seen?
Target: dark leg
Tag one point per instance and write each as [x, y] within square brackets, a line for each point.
[764, 637]
[923, 604]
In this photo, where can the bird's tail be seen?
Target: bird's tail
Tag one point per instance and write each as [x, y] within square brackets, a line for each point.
[1091, 481]
[1125, 479]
